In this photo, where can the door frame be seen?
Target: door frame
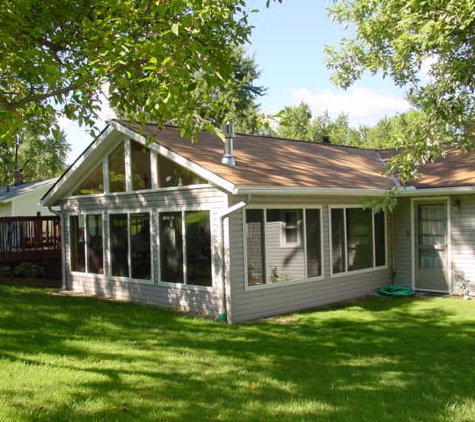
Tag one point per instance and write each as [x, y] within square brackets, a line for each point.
[414, 201]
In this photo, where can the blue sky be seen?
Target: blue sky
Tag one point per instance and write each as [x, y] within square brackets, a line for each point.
[288, 42]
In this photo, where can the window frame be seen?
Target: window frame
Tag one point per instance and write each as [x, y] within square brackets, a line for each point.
[303, 244]
[283, 226]
[345, 273]
[184, 285]
[86, 272]
[129, 247]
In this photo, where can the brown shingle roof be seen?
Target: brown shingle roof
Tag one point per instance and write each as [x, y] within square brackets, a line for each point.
[265, 161]
[455, 170]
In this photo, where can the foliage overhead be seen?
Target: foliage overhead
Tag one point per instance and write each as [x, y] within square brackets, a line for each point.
[57, 55]
[40, 155]
[397, 38]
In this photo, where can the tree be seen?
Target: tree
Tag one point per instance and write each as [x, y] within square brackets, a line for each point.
[56, 56]
[234, 101]
[398, 37]
[40, 156]
[298, 123]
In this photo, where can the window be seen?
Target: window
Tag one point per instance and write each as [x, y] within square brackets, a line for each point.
[357, 239]
[141, 171]
[140, 256]
[77, 243]
[95, 256]
[117, 169]
[119, 244]
[93, 184]
[185, 247]
[255, 247]
[282, 245]
[86, 243]
[130, 245]
[172, 174]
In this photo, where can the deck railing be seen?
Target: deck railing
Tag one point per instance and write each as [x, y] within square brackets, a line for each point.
[29, 238]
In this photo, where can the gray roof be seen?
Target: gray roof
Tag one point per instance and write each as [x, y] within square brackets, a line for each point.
[8, 193]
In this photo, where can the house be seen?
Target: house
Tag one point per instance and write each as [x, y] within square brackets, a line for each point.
[272, 226]
[23, 198]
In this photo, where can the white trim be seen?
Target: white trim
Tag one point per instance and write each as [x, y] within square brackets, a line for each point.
[449, 240]
[264, 209]
[439, 191]
[128, 165]
[105, 175]
[154, 168]
[433, 291]
[294, 190]
[345, 239]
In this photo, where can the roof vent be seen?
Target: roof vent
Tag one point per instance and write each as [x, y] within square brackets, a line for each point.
[228, 157]
[326, 139]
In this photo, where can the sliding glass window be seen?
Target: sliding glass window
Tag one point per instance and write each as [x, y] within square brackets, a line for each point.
[130, 245]
[185, 247]
[86, 243]
[77, 243]
[282, 245]
[357, 239]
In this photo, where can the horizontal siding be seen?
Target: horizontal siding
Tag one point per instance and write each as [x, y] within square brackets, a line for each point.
[204, 301]
[401, 232]
[281, 298]
[463, 242]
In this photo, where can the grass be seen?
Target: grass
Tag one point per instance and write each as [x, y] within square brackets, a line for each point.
[83, 359]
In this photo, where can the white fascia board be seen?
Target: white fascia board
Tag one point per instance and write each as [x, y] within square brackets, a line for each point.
[282, 190]
[178, 159]
[50, 198]
[438, 191]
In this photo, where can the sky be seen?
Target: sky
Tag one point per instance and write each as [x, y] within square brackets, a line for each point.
[288, 42]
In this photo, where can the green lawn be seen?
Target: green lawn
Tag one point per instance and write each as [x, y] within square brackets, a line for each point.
[83, 359]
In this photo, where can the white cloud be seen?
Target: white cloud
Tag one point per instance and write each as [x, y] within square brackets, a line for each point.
[361, 104]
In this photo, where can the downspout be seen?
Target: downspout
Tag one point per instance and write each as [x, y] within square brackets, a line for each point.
[63, 246]
[222, 316]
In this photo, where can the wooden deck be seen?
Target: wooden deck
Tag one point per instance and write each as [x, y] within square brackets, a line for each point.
[30, 238]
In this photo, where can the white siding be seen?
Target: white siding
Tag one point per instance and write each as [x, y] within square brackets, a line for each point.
[402, 243]
[204, 300]
[463, 240]
[251, 303]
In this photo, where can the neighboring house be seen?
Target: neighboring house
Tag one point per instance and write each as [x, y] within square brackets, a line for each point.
[152, 217]
[23, 198]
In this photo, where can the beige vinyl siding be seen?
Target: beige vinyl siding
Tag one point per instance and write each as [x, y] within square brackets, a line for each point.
[402, 243]
[463, 240]
[6, 209]
[185, 297]
[29, 204]
[257, 302]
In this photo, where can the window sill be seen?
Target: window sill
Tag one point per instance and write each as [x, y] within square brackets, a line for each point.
[129, 280]
[90, 275]
[187, 287]
[281, 284]
[356, 272]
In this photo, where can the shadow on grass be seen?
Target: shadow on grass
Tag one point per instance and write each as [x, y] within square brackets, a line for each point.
[378, 360]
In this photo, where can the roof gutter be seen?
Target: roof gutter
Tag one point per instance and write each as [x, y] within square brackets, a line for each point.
[412, 191]
[281, 190]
